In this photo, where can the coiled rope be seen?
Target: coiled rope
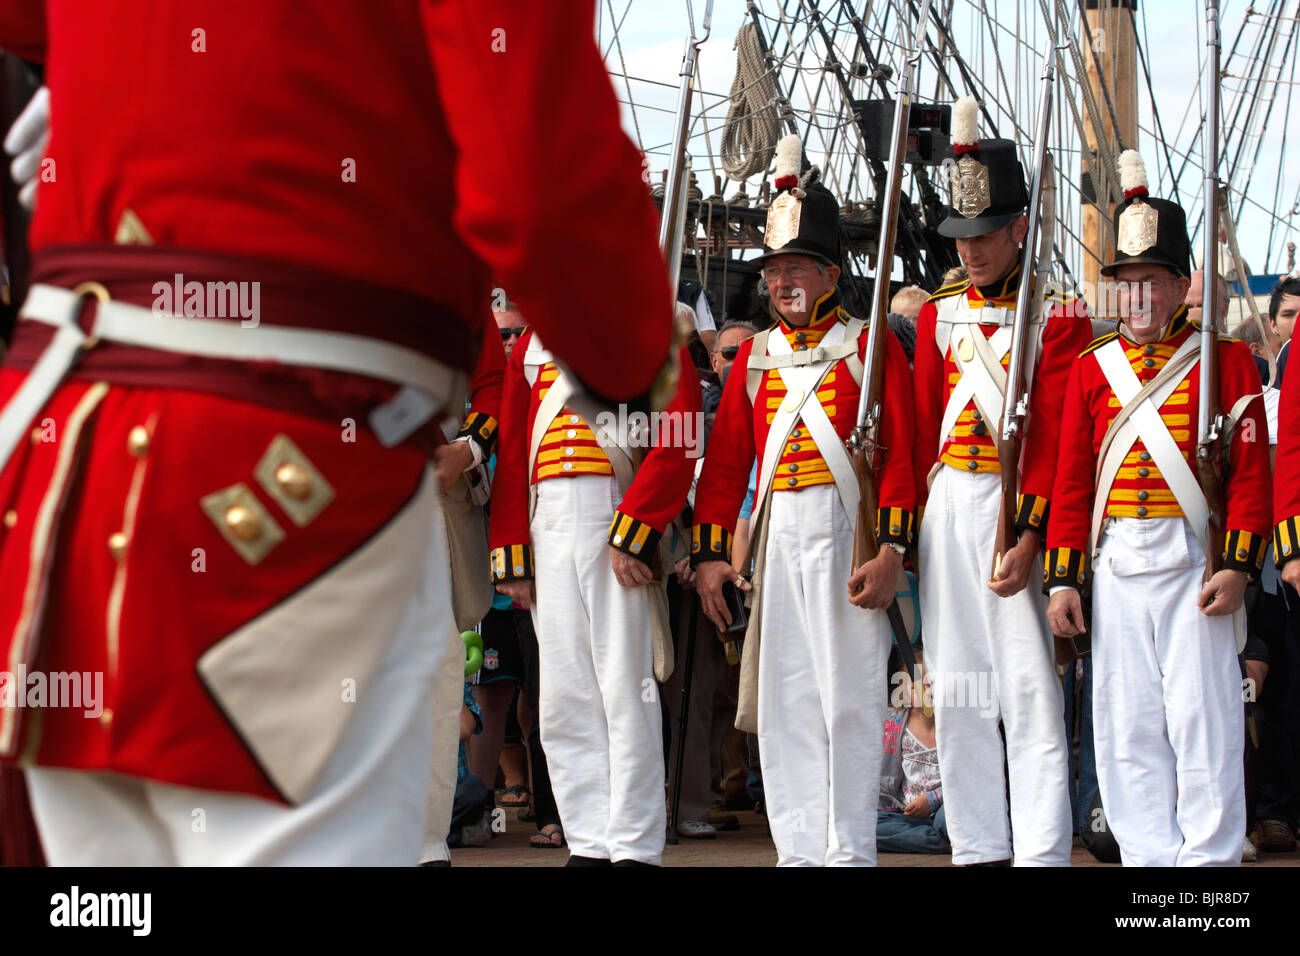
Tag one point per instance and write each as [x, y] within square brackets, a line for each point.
[753, 125]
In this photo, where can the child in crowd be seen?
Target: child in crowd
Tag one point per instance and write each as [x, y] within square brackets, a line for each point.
[909, 815]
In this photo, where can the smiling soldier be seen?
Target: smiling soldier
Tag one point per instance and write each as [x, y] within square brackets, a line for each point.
[817, 678]
[1167, 699]
[990, 634]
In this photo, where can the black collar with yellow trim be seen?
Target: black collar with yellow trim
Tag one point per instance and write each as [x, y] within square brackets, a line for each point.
[1004, 288]
[825, 310]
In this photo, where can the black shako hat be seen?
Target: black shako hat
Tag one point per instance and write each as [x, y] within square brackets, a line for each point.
[801, 220]
[1147, 230]
[986, 186]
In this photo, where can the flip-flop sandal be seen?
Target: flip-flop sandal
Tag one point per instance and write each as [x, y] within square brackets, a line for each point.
[520, 792]
[543, 841]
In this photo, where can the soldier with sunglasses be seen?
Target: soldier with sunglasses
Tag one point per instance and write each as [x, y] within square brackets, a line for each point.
[510, 324]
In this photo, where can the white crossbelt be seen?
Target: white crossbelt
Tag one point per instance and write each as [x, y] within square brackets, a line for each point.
[438, 385]
[983, 381]
[621, 459]
[801, 402]
[1144, 422]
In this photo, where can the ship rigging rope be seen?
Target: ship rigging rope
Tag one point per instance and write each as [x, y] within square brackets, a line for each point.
[753, 125]
[1268, 114]
[1108, 182]
[1277, 189]
[1159, 137]
[627, 82]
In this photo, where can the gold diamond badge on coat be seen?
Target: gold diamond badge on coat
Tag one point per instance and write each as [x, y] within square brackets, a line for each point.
[782, 220]
[243, 521]
[131, 231]
[970, 187]
[293, 481]
[1139, 226]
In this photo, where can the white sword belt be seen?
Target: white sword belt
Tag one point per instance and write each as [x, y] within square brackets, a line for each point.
[428, 385]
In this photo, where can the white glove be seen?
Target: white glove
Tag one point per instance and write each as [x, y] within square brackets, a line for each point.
[26, 142]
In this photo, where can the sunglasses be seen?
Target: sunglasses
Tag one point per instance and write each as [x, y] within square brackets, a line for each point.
[729, 352]
[508, 334]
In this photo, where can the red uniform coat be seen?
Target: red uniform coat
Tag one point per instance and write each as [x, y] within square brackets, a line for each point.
[422, 148]
[740, 434]
[657, 493]
[1286, 473]
[485, 384]
[421, 145]
[1066, 332]
[1140, 491]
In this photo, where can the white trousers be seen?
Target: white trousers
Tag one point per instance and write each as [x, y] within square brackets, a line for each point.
[1167, 701]
[822, 687]
[990, 658]
[368, 808]
[598, 702]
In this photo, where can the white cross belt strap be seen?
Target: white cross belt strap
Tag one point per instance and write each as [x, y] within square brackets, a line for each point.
[1144, 422]
[561, 390]
[814, 356]
[801, 402]
[128, 324]
[983, 379]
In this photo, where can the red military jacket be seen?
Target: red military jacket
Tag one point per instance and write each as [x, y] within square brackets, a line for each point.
[485, 385]
[1140, 490]
[740, 433]
[569, 449]
[1066, 331]
[1286, 472]
[381, 143]
[366, 147]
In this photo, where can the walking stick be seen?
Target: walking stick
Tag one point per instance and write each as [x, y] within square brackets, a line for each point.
[693, 604]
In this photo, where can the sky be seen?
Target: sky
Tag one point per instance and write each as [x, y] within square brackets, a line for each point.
[653, 32]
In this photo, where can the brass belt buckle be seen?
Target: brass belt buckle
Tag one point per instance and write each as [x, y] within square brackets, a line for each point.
[98, 290]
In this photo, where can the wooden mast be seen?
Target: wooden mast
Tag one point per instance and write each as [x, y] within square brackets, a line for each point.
[1109, 29]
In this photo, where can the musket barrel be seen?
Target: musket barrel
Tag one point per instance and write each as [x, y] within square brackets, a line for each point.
[889, 214]
[1015, 381]
[1205, 424]
[673, 215]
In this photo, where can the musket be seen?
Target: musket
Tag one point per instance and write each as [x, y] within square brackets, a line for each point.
[1209, 423]
[1029, 303]
[864, 440]
[672, 221]
[672, 224]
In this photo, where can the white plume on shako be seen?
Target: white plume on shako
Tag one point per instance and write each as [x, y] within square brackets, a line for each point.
[965, 122]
